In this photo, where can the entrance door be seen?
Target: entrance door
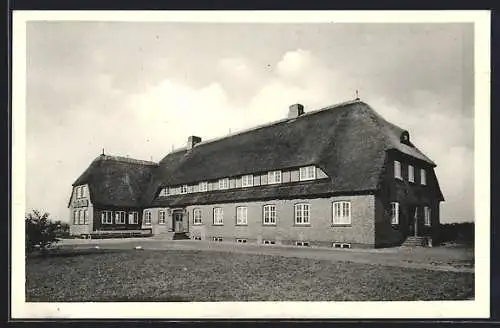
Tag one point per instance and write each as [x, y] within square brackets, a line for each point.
[413, 216]
[178, 222]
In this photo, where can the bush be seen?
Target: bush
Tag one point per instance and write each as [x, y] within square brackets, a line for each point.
[462, 233]
[40, 231]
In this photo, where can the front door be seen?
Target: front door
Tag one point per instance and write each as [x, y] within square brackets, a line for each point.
[413, 221]
[178, 222]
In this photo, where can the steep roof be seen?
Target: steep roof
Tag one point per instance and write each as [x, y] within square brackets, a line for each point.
[348, 141]
[117, 181]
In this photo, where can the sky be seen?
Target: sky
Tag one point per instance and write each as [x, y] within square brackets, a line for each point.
[139, 89]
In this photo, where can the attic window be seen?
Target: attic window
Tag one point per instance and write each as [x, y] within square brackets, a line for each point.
[405, 137]
[224, 183]
[184, 189]
[164, 191]
[203, 186]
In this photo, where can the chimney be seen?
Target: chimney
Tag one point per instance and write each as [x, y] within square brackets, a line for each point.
[192, 140]
[295, 110]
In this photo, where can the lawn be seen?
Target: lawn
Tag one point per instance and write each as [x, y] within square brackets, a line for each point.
[153, 275]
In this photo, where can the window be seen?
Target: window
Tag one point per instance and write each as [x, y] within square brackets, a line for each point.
[184, 189]
[273, 177]
[147, 217]
[269, 214]
[75, 217]
[218, 216]
[77, 192]
[342, 212]
[302, 213]
[224, 184]
[411, 173]
[307, 173]
[247, 180]
[161, 217]
[107, 217]
[85, 217]
[394, 213]
[203, 186]
[427, 216]
[119, 217]
[133, 218]
[196, 216]
[397, 170]
[164, 191]
[241, 215]
[84, 191]
[423, 177]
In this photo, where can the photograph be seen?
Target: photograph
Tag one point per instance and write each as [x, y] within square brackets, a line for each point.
[251, 161]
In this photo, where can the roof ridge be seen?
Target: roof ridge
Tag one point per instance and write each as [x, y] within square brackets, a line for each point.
[122, 159]
[261, 126]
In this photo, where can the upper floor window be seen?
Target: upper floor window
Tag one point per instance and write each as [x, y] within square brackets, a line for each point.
[147, 217]
[397, 170]
[197, 216]
[84, 191]
[302, 213]
[161, 217]
[77, 192]
[427, 216]
[164, 191]
[224, 183]
[203, 186]
[342, 212]
[307, 173]
[218, 216]
[133, 218]
[394, 213]
[423, 177]
[269, 214]
[247, 180]
[411, 173]
[119, 217]
[241, 215]
[184, 189]
[106, 217]
[273, 177]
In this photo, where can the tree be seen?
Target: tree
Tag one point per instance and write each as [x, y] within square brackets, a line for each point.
[40, 231]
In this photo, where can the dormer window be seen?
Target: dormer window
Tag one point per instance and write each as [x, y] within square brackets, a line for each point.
[247, 180]
[184, 189]
[405, 138]
[164, 191]
[203, 186]
[224, 184]
[397, 170]
[307, 173]
[273, 177]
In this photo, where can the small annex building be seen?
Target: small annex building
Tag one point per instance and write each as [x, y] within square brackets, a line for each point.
[340, 176]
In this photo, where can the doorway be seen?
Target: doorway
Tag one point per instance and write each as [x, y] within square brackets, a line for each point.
[178, 221]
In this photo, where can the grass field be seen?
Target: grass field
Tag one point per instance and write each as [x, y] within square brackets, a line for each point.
[147, 275]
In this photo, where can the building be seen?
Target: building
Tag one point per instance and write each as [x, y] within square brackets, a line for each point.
[340, 176]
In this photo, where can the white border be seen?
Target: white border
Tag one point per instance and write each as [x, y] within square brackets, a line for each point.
[479, 308]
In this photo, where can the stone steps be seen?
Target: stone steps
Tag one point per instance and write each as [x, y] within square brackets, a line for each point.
[413, 241]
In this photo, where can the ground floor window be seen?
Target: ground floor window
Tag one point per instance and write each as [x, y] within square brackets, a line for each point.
[85, 216]
[218, 216]
[302, 213]
[241, 215]
[133, 218]
[161, 218]
[147, 217]
[427, 216]
[106, 217]
[269, 214]
[342, 212]
[75, 217]
[119, 217]
[394, 213]
[196, 216]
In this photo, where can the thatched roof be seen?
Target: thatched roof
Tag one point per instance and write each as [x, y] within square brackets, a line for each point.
[117, 181]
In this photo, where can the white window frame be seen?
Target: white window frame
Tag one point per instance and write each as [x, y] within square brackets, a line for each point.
[218, 216]
[133, 218]
[197, 219]
[84, 192]
[85, 216]
[302, 214]
[107, 217]
[203, 186]
[269, 214]
[427, 216]
[184, 189]
[224, 184]
[341, 213]
[394, 210]
[274, 177]
[76, 220]
[120, 217]
[77, 192]
[307, 173]
[423, 177]
[241, 215]
[162, 217]
[397, 170]
[247, 180]
[147, 217]
[164, 191]
[411, 173]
